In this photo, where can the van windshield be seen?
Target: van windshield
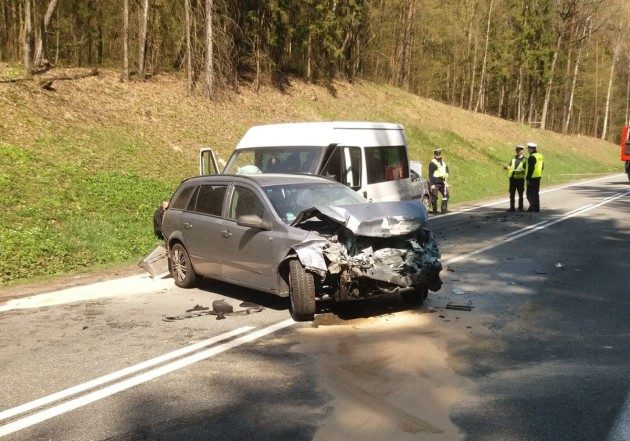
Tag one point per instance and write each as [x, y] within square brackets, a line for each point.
[299, 159]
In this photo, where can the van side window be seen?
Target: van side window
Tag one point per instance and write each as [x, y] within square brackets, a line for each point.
[245, 202]
[180, 200]
[210, 199]
[386, 163]
[344, 165]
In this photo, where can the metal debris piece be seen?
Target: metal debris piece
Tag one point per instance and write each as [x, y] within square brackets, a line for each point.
[220, 309]
[559, 265]
[459, 306]
[511, 283]
[156, 262]
[458, 291]
[540, 273]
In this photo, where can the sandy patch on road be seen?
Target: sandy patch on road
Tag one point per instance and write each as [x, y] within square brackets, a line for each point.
[389, 376]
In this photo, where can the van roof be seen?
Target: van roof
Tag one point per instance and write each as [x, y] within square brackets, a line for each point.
[323, 134]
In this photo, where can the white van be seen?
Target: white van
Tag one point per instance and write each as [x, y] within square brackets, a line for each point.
[368, 157]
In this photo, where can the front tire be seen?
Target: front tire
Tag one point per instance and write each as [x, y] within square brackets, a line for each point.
[302, 292]
[417, 296]
[181, 267]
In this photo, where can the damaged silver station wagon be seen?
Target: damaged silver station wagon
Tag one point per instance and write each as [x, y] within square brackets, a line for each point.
[303, 237]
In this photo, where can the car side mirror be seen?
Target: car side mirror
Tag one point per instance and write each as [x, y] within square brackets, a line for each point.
[253, 221]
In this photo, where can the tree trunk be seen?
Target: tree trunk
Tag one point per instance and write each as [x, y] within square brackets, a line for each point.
[610, 83]
[404, 71]
[543, 118]
[480, 96]
[189, 68]
[628, 98]
[142, 43]
[40, 49]
[473, 74]
[126, 40]
[519, 100]
[28, 39]
[209, 72]
[565, 128]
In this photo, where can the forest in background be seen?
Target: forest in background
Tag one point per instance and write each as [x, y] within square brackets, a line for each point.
[561, 65]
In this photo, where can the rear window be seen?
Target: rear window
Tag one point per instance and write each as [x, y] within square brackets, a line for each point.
[180, 200]
[386, 163]
[210, 199]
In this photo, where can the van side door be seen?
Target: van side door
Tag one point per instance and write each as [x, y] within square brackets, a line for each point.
[386, 173]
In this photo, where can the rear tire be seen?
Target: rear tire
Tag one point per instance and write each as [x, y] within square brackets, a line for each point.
[417, 296]
[302, 292]
[426, 201]
[181, 267]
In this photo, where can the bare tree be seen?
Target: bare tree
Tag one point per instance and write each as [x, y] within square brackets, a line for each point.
[404, 51]
[142, 43]
[189, 70]
[543, 119]
[209, 73]
[565, 128]
[28, 39]
[40, 48]
[627, 120]
[610, 82]
[480, 96]
[126, 40]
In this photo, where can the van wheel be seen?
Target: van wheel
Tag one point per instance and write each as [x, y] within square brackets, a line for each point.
[302, 292]
[181, 267]
[417, 296]
[426, 201]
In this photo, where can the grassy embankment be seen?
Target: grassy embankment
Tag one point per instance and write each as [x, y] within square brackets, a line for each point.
[84, 167]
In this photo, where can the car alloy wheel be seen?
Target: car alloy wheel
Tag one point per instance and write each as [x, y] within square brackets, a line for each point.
[181, 268]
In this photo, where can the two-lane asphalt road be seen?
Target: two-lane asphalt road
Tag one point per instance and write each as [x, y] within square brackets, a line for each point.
[543, 354]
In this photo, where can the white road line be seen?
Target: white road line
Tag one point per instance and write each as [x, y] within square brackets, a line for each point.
[136, 380]
[534, 228]
[621, 428]
[503, 201]
[119, 374]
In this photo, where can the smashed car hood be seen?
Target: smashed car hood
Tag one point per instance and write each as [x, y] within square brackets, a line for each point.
[378, 219]
[387, 242]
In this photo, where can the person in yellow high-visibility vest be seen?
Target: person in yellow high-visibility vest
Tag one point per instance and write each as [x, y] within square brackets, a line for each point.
[516, 175]
[438, 172]
[533, 172]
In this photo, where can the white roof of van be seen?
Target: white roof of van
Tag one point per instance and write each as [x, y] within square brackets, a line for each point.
[322, 134]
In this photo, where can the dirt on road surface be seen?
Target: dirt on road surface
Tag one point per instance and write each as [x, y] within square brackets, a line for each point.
[389, 376]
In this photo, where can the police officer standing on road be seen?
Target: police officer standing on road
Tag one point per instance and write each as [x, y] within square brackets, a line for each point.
[533, 172]
[516, 174]
[438, 172]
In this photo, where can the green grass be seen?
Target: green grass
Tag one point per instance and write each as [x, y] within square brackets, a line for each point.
[65, 217]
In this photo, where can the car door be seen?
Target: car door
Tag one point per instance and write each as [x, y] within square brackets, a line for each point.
[201, 228]
[251, 254]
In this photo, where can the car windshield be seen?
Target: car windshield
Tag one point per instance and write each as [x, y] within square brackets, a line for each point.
[301, 159]
[290, 199]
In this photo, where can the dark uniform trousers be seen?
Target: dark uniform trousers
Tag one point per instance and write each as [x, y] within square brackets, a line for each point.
[533, 188]
[517, 185]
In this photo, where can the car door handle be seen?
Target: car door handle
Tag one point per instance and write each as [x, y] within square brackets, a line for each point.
[187, 225]
[226, 233]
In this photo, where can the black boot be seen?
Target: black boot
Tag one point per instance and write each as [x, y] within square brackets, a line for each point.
[434, 207]
[444, 206]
